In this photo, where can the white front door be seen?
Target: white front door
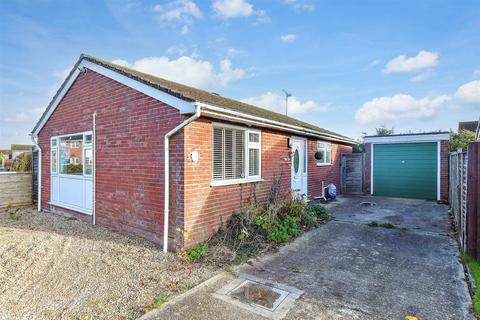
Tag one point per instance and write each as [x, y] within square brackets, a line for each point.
[299, 165]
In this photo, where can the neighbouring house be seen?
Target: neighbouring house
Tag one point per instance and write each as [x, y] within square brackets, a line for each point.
[18, 149]
[407, 165]
[468, 125]
[142, 155]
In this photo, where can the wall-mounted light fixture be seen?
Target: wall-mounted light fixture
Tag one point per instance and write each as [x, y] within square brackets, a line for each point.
[290, 143]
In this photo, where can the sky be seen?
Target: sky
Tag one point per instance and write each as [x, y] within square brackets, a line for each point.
[351, 66]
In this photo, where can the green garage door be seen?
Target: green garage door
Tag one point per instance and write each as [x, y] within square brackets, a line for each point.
[407, 170]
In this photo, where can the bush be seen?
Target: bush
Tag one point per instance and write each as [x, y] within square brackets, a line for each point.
[284, 229]
[197, 253]
[23, 162]
[320, 211]
[309, 219]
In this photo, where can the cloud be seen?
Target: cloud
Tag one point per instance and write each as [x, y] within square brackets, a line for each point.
[423, 75]
[423, 60]
[276, 102]
[24, 116]
[238, 8]
[232, 52]
[178, 11]
[305, 5]
[399, 106]
[374, 62]
[232, 8]
[476, 73]
[188, 70]
[469, 92]
[288, 37]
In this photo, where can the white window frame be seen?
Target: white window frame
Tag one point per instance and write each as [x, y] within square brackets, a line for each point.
[248, 145]
[327, 148]
[54, 148]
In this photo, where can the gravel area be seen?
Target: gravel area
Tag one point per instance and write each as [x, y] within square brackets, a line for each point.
[56, 268]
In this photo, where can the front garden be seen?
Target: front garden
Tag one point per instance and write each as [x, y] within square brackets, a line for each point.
[260, 227]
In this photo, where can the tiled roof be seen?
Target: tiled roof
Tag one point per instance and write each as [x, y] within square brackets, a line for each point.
[193, 94]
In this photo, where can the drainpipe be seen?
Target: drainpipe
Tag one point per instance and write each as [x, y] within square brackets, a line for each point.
[39, 175]
[94, 135]
[166, 200]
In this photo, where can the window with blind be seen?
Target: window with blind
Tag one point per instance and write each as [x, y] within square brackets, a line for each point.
[325, 150]
[236, 154]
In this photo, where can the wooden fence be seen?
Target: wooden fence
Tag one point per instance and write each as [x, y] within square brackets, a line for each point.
[351, 173]
[464, 197]
[15, 189]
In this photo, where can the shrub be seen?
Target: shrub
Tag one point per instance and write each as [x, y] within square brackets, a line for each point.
[284, 229]
[309, 219]
[197, 253]
[23, 162]
[320, 211]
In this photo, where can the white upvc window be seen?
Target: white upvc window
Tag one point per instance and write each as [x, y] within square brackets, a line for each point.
[325, 151]
[236, 155]
[53, 155]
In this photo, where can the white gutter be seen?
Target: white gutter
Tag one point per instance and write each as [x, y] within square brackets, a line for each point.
[236, 116]
[94, 155]
[39, 175]
[166, 200]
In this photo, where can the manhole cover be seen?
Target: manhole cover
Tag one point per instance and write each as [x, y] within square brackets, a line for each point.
[368, 204]
[259, 294]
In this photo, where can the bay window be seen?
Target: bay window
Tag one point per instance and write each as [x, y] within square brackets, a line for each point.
[236, 154]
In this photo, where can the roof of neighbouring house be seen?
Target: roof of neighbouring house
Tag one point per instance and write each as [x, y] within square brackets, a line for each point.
[468, 125]
[21, 147]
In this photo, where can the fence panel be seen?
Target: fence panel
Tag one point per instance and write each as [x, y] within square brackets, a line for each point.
[15, 188]
[351, 174]
[472, 200]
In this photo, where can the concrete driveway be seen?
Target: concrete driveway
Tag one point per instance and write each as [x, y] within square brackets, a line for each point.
[412, 269]
[349, 270]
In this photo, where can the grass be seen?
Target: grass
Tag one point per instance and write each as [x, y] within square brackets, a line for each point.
[160, 301]
[12, 216]
[386, 225]
[70, 219]
[474, 267]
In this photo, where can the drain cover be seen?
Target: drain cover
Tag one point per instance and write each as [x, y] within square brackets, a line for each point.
[262, 295]
[368, 203]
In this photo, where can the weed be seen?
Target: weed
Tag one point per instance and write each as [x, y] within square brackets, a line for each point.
[386, 225]
[309, 219]
[285, 229]
[160, 301]
[12, 216]
[320, 211]
[474, 267]
[70, 219]
[197, 253]
[296, 270]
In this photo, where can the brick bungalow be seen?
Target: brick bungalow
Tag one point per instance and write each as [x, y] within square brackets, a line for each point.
[110, 132]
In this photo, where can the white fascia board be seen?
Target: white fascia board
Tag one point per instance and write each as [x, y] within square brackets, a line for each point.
[409, 138]
[182, 105]
[263, 122]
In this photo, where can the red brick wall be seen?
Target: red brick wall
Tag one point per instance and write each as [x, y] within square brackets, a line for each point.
[327, 173]
[129, 153]
[206, 207]
[443, 169]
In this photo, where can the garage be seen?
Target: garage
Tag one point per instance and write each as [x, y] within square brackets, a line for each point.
[408, 166]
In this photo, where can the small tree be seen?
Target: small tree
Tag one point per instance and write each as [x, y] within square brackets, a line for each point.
[461, 139]
[384, 131]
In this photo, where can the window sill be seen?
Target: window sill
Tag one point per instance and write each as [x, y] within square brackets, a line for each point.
[70, 207]
[236, 181]
[323, 164]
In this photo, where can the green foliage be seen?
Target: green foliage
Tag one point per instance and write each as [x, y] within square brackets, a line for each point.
[197, 253]
[74, 168]
[386, 225]
[320, 211]
[284, 229]
[12, 216]
[373, 224]
[160, 301]
[460, 140]
[358, 148]
[309, 219]
[23, 162]
[384, 131]
[474, 267]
